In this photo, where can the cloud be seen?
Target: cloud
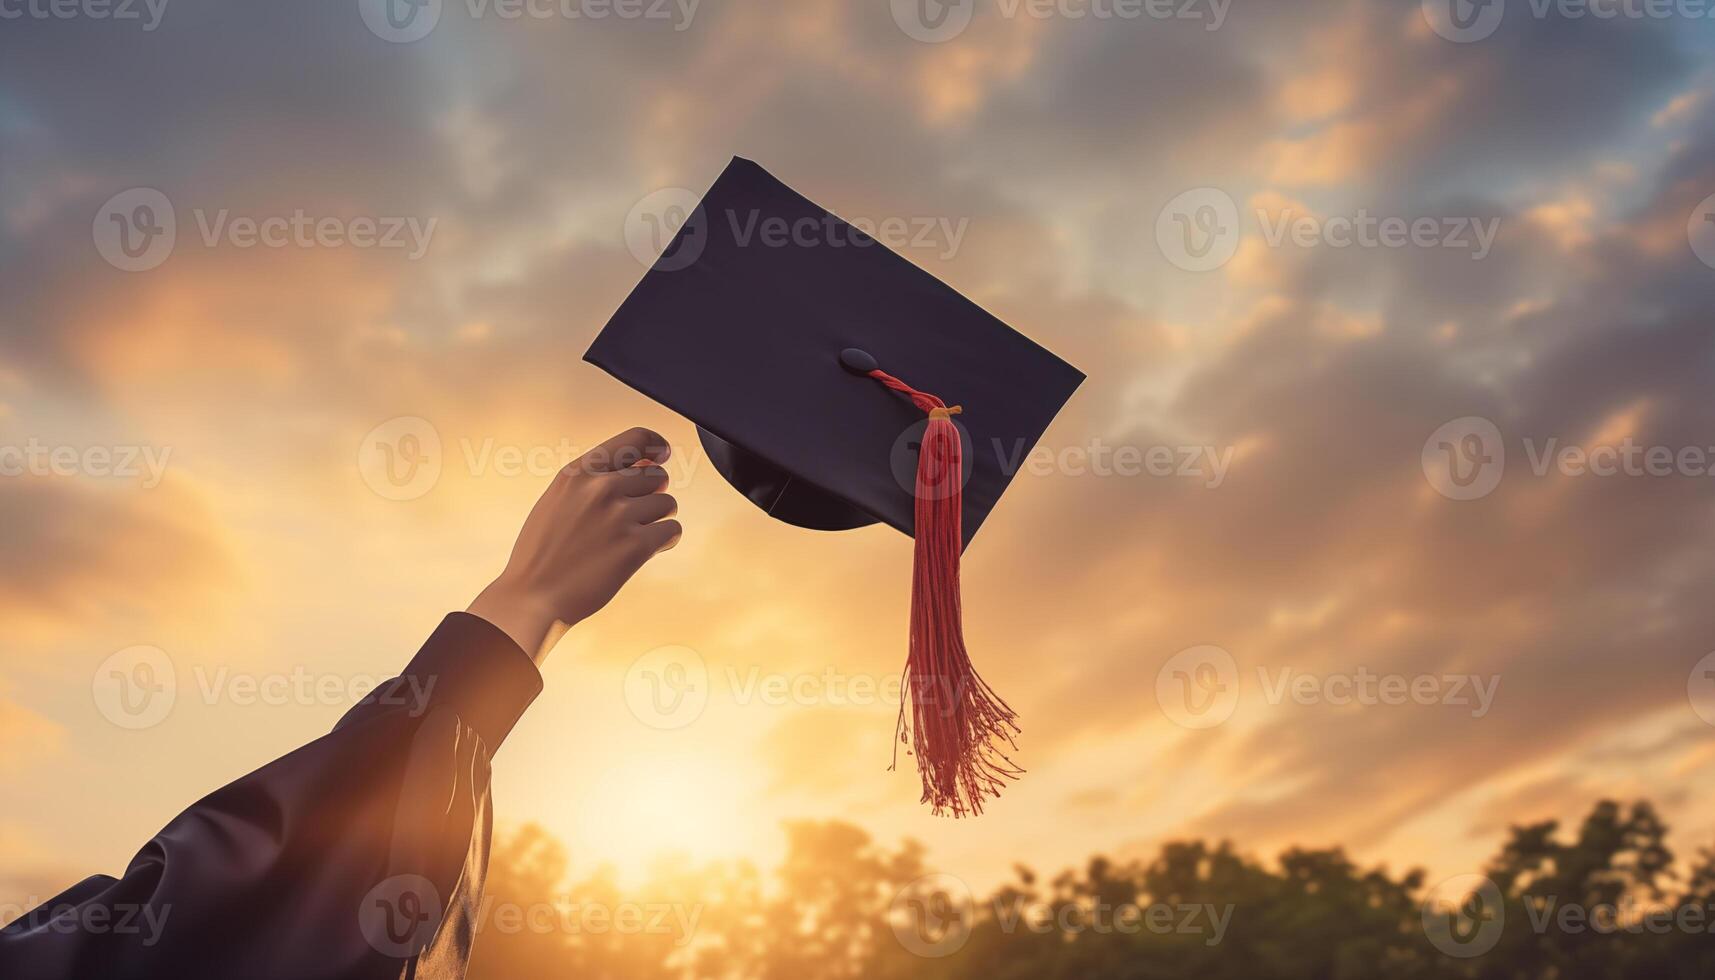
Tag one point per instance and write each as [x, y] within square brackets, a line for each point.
[76, 556]
[1321, 370]
[1580, 595]
[31, 736]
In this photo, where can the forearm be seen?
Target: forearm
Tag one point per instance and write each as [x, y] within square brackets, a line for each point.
[468, 664]
[530, 621]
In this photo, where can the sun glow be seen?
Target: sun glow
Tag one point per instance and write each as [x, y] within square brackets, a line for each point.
[652, 804]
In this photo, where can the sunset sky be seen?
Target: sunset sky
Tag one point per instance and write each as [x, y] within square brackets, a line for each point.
[1036, 159]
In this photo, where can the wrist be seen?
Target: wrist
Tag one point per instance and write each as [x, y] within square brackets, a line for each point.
[519, 613]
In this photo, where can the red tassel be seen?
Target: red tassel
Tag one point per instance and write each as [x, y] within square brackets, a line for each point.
[958, 724]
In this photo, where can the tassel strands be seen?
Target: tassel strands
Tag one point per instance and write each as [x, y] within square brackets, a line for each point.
[959, 728]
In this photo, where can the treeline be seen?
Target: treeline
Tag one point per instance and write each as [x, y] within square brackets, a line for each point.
[1608, 903]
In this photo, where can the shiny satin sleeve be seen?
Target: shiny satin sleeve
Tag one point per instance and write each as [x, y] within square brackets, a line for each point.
[361, 855]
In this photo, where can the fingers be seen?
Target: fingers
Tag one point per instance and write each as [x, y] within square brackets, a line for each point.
[662, 535]
[652, 507]
[626, 449]
[637, 481]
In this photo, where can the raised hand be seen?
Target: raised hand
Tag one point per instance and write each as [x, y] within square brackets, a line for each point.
[603, 517]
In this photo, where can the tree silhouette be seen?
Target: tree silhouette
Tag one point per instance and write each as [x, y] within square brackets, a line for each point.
[1608, 904]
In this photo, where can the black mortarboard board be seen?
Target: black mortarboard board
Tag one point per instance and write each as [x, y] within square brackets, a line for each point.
[759, 321]
[740, 326]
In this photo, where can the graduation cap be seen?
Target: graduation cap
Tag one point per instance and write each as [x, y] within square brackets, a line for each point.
[824, 373]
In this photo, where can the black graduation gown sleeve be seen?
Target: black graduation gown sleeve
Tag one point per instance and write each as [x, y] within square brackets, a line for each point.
[360, 855]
